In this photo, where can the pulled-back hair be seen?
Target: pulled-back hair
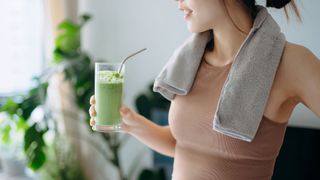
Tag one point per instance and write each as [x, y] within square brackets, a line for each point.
[279, 4]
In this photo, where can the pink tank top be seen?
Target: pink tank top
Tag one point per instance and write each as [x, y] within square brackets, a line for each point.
[201, 153]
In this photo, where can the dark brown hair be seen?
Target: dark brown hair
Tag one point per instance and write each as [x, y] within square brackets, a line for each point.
[279, 4]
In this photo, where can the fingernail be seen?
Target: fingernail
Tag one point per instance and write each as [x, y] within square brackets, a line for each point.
[123, 110]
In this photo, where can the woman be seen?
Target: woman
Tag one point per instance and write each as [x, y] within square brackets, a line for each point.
[198, 151]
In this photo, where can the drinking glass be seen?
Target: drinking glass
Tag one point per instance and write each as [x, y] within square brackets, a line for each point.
[109, 92]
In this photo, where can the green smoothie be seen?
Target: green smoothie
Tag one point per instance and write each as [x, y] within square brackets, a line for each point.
[108, 95]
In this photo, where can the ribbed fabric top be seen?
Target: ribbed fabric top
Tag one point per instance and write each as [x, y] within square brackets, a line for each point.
[201, 153]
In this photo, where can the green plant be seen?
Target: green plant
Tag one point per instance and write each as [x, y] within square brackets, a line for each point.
[78, 69]
[61, 161]
[19, 112]
[20, 107]
[150, 100]
[151, 174]
[18, 118]
[77, 65]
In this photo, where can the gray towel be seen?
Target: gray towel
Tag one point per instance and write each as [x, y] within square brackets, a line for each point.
[246, 90]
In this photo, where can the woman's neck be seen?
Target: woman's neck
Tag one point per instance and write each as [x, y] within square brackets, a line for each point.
[228, 38]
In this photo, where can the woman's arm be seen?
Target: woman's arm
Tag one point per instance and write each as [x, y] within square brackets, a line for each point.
[305, 77]
[158, 138]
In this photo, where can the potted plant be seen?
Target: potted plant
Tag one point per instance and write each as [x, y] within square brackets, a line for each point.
[43, 155]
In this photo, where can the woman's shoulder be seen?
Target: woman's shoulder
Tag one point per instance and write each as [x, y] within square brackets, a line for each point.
[295, 52]
[295, 62]
[297, 58]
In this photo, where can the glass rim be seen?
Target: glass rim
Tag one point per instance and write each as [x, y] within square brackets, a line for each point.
[108, 63]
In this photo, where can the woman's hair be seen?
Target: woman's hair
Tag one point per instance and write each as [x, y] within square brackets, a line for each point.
[252, 8]
[279, 4]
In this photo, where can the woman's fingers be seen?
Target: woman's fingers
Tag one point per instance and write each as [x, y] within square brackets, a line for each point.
[92, 111]
[125, 128]
[126, 113]
[92, 122]
[92, 100]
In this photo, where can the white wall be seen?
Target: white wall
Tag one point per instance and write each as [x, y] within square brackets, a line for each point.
[123, 26]
[120, 27]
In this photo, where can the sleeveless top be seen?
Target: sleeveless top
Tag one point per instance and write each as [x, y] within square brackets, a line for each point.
[201, 153]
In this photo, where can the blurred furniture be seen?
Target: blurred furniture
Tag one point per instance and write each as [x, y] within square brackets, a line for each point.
[299, 156]
[160, 117]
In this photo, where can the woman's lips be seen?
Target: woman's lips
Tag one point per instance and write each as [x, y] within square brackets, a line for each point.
[187, 13]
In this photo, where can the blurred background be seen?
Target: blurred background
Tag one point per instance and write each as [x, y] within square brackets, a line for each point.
[48, 49]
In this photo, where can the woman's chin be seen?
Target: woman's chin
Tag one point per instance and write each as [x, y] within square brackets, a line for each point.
[195, 30]
[192, 29]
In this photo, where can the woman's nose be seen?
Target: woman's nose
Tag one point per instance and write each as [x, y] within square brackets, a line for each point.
[180, 5]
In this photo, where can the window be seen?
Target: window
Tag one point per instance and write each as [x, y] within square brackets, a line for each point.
[21, 44]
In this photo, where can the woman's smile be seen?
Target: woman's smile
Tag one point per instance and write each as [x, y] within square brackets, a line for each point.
[187, 13]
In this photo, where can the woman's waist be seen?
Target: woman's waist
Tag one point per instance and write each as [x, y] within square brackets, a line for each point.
[219, 165]
[220, 157]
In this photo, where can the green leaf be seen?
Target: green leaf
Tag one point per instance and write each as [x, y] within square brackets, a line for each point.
[144, 105]
[68, 26]
[150, 174]
[33, 134]
[6, 134]
[61, 55]
[35, 98]
[21, 124]
[9, 106]
[57, 56]
[68, 42]
[34, 147]
[147, 174]
[36, 157]
[84, 19]
[27, 106]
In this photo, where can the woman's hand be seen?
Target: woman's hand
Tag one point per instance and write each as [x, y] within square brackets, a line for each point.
[92, 111]
[131, 120]
[156, 137]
